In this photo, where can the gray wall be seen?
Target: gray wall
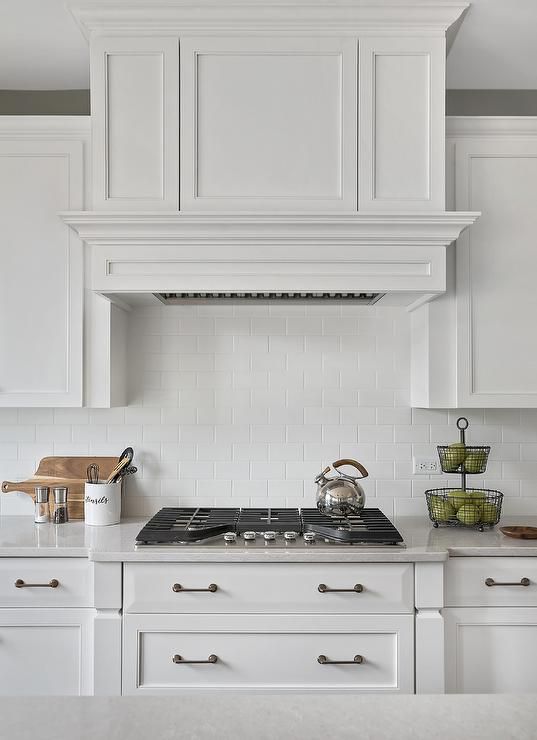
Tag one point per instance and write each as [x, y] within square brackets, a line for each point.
[458, 102]
[44, 102]
[491, 102]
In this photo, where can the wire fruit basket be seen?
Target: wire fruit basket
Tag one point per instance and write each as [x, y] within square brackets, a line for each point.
[463, 506]
[461, 458]
[474, 507]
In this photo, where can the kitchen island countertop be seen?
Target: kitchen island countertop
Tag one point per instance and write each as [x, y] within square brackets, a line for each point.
[286, 717]
[20, 537]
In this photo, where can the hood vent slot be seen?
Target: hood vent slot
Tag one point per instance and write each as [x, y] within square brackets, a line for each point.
[175, 299]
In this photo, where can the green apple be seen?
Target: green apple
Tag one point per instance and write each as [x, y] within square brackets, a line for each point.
[477, 497]
[454, 456]
[458, 498]
[469, 514]
[441, 509]
[489, 513]
[474, 461]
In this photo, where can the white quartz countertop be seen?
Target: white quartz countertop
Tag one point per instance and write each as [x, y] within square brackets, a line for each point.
[20, 537]
[234, 717]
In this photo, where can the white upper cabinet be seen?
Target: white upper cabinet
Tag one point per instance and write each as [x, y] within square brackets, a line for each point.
[272, 108]
[476, 346]
[41, 261]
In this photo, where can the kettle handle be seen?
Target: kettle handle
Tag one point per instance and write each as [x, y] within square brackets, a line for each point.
[353, 463]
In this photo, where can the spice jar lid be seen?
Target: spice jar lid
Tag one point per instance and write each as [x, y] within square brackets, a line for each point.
[41, 494]
[60, 494]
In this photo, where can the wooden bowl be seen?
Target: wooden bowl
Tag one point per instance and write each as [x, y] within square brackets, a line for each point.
[520, 532]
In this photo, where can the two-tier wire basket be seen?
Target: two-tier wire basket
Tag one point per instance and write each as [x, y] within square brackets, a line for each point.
[464, 507]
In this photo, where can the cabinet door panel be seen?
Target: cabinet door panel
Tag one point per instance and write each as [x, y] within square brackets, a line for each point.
[41, 274]
[491, 650]
[45, 652]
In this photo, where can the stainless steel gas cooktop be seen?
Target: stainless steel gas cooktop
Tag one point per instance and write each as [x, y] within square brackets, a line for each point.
[266, 528]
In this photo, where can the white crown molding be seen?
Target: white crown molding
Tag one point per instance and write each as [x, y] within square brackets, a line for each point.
[46, 127]
[364, 17]
[464, 126]
[400, 229]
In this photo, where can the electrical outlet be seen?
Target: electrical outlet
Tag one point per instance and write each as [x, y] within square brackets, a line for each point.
[425, 466]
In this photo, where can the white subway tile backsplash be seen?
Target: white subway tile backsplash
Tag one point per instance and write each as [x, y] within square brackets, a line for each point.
[244, 404]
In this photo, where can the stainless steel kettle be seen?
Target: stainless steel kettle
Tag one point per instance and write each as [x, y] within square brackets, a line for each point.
[341, 494]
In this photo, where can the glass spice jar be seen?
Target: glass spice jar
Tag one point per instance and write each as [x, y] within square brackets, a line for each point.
[61, 515]
[41, 505]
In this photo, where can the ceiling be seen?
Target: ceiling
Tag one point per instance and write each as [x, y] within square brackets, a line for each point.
[41, 47]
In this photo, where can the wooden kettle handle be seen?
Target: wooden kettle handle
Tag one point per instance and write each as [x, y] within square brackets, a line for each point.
[353, 463]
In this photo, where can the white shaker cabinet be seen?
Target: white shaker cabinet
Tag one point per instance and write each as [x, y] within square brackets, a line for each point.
[267, 627]
[476, 345]
[60, 627]
[41, 261]
[491, 630]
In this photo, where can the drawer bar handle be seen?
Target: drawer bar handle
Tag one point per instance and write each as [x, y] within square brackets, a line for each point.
[179, 659]
[323, 660]
[177, 588]
[323, 589]
[19, 583]
[522, 582]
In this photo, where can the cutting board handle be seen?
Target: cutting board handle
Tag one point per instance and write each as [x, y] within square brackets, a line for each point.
[8, 486]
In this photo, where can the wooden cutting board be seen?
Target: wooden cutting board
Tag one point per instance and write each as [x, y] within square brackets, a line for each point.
[63, 471]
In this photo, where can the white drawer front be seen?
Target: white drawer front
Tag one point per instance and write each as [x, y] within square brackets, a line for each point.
[269, 587]
[72, 575]
[466, 582]
[268, 653]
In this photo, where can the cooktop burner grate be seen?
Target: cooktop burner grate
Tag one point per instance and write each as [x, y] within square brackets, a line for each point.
[187, 525]
[266, 520]
[370, 526]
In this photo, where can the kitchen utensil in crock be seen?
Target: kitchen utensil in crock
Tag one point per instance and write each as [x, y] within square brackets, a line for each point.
[125, 459]
[341, 494]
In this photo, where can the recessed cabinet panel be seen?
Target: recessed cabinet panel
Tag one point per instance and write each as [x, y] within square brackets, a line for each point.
[268, 123]
[401, 165]
[41, 273]
[135, 123]
[401, 133]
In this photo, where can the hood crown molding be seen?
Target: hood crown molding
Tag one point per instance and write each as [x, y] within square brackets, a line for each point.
[299, 17]
[439, 229]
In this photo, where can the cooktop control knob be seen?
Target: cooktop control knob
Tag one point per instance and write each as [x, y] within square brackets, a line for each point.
[248, 536]
[289, 535]
[309, 536]
[269, 535]
[230, 537]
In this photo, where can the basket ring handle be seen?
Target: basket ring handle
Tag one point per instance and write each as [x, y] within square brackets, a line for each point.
[462, 423]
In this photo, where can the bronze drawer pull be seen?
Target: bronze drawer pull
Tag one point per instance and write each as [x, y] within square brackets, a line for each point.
[522, 582]
[323, 660]
[323, 589]
[179, 659]
[19, 583]
[177, 588]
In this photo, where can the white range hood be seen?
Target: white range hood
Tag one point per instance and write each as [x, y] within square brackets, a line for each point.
[257, 147]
